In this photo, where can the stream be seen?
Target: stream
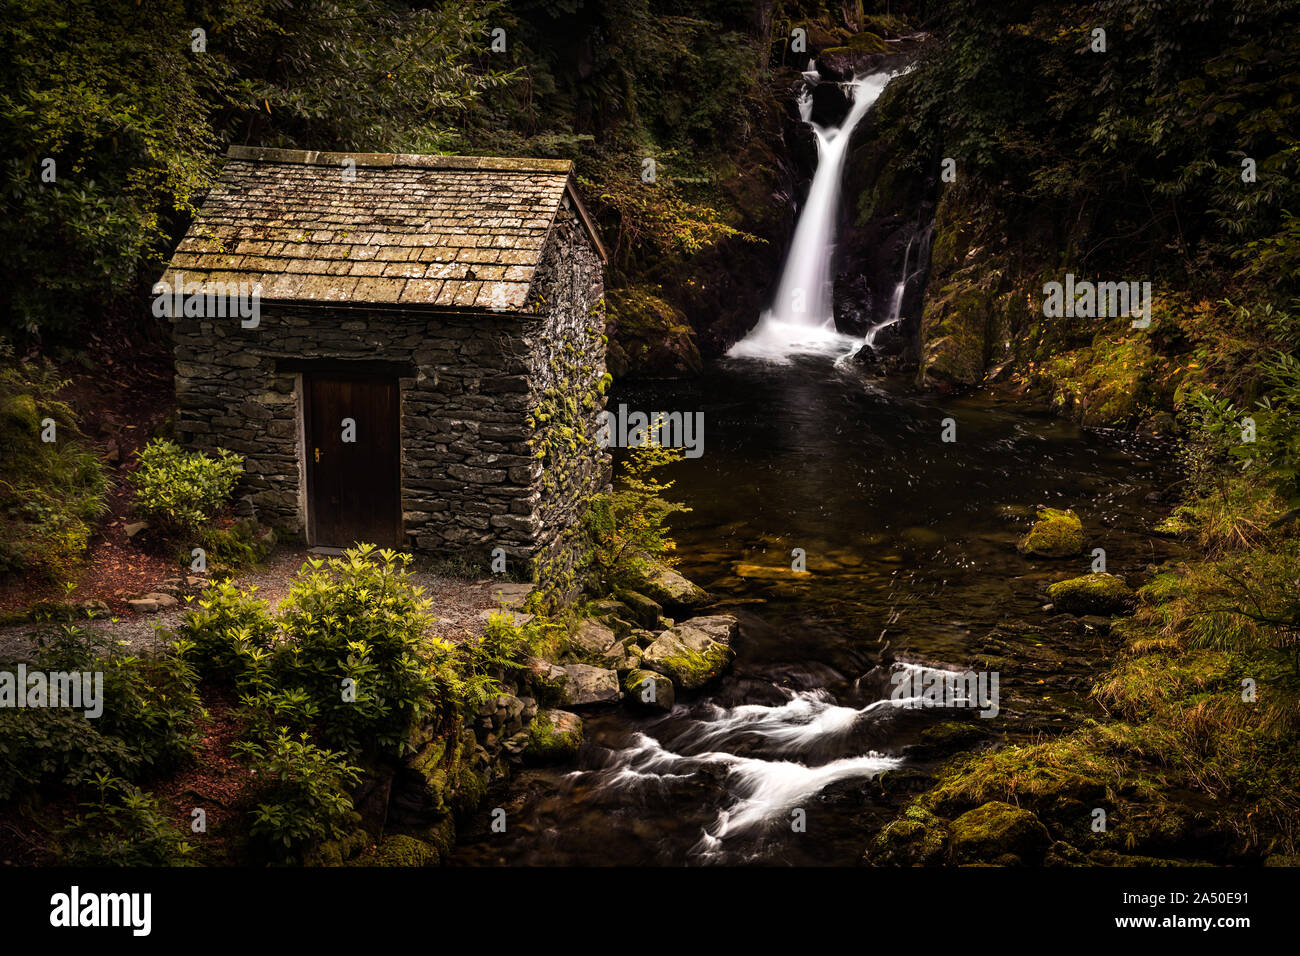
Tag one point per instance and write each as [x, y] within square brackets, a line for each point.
[862, 532]
[909, 540]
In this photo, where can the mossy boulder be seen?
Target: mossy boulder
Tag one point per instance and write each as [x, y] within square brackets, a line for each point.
[554, 736]
[1056, 534]
[917, 838]
[1096, 593]
[995, 831]
[648, 337]
[645, 610]
[401, 850]
[645, 689]
[671, 591]
[693, 653]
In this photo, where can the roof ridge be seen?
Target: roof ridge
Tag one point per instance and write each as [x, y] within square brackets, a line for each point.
[311, 157]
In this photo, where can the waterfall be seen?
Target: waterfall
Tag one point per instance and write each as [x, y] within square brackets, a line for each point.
[801, 318]
[922, 242]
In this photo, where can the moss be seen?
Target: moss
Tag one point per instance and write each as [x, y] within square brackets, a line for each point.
[1096, 593]
[918, 838]
[1056, 534]
[401, 850]
[548, 742]
[691, 670]
[651, 337]
[995, 831]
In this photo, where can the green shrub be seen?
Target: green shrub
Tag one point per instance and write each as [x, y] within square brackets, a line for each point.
[628, 528]
[227, 623]
[124, 828]
[51, 493]
[302, 795]
[359, 618]
[181, 490]
[149, 722]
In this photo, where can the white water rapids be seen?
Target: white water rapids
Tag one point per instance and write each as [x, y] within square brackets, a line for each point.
[773, 758]
[802, 318]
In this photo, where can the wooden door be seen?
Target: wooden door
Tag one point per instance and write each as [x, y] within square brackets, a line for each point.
[353, 486]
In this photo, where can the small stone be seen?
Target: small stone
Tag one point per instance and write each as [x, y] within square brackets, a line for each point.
[143, 605]
[135, 527]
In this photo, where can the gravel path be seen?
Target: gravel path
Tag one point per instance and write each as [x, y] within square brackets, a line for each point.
[461, 606]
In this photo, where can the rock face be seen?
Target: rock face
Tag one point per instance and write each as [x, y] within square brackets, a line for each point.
[589, 685]
[998, 833]
[1096, 593]
[1056, 534]
[693, 653]
[648, 338]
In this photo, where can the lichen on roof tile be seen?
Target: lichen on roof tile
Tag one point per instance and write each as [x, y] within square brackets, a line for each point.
[303, 223]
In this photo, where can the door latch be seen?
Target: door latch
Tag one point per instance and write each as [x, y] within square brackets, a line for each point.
[318, 454]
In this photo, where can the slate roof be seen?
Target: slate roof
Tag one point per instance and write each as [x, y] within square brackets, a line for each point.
[456, 232]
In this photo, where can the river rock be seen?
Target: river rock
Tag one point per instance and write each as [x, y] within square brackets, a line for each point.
[1096, 593]
[647, 690]
[995, 831]
[645, 610]
[589, 685]
[591, 639]
[693, 653]
[674, 593]
[1056, 534]
[554, 736]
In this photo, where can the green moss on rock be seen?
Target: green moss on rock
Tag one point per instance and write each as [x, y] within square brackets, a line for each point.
[401, 850]
[918, 838]
[554, 736]
[1056, 534]
[648, 338]
[1096, 593]
[996, 830]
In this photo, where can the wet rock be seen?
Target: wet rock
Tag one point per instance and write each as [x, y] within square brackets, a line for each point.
[646, 690]
[554, 736]
[589, 685]
[1056, 534]
[1097, 593]
[863, 53]
[830, 104]
[693, 653]
[992, 831]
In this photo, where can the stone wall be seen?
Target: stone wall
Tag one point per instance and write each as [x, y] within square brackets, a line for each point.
[479, 467]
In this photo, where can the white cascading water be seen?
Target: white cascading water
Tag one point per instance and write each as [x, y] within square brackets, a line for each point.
[759, 746]
[802, 318]
[900, 289]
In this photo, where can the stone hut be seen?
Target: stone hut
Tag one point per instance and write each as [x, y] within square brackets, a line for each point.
[407, 349]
